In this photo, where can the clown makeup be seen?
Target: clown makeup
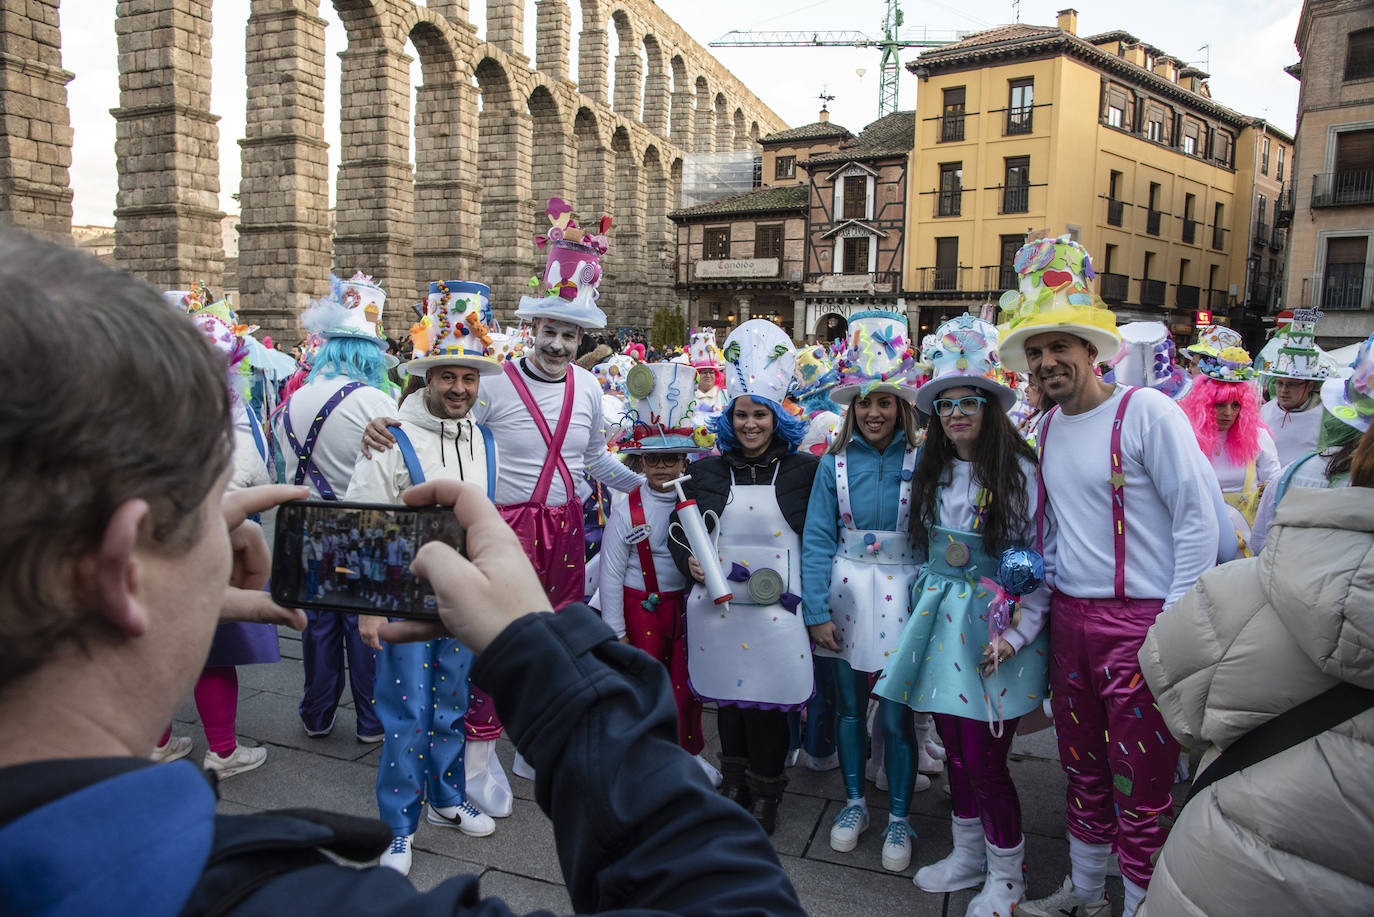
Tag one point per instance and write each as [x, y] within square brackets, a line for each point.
[555, 344]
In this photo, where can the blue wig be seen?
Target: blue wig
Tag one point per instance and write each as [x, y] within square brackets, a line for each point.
[353, 357]
[785, 427]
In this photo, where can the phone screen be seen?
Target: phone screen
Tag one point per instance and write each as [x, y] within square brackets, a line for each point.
[355, 557]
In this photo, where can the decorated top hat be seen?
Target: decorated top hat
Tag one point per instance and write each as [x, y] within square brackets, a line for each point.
[879, 357]
[759, 361]
[455, 329]
[1147, 359]
[1292, 353]
[572, 271]
[1351, 400]
[702, 350]
[814, 378]
[1230, 364]
[352, 310]
[1213, 339]
[613, 372]
[964, 353]
[1053, 295]
[660, 410]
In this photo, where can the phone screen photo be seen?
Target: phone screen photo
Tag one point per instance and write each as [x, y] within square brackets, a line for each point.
[355, 557]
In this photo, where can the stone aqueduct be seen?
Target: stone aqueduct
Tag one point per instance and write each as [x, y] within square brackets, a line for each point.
[494, 138]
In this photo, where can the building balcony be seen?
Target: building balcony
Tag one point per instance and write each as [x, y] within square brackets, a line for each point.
[1151, 292]
[1277, 238]
[952, 129]
[1261, 233]
[949, 203]
[1015, 199]
[1219, 237]
[1283, 207]
[1186, 297]
[1115, 212]
[1218, 300]
[1343, 189]
[1019, 121]
[999, 277]
[1258, 298]
[1113, 287]
[1189, 231]
[1152, 218]
[875, 282]
[1341, 289]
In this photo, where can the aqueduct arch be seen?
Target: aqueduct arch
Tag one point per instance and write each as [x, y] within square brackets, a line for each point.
[494, 137]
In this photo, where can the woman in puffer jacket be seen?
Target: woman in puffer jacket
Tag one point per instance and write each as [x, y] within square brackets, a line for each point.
[1254, 638]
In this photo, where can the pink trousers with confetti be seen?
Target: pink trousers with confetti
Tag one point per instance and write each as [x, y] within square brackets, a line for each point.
[1113, 744]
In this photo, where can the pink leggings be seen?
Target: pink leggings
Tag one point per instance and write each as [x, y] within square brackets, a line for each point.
[217, 702]
[980, 785]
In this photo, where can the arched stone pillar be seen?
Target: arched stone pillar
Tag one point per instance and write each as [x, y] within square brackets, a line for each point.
[593, 167]
[285, 245]
[167, 216]
[552, 166]
[722, 120]
[503, 169]
[655, 114]
[593, 55]
[704, 131]
[554, 24]
[506, 26]
[680, 130]
[629, 69]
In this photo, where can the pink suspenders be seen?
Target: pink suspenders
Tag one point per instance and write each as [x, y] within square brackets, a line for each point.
[1117, 480]
[554, 440]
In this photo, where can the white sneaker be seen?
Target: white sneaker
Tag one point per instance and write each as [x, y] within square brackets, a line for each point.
[712, 774]
[878, 774]
[486, 784]
[177, 747]
[398, 856]
[849, 824]
[521, 767]
[465, 817]
[821, 765]
[930, 753]
[241, 759]
[897, 843]
[1064, 901]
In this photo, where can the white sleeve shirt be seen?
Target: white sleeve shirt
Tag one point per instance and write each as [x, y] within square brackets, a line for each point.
[620, 566]
[340, 440]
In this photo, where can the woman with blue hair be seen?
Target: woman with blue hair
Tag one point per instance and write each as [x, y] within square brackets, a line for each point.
[750, 652]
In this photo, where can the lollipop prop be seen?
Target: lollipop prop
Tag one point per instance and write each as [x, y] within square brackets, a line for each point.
[1020, 573]
[699, 542]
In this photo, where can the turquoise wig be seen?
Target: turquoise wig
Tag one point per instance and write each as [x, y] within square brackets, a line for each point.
[785, 427]
[355, 357]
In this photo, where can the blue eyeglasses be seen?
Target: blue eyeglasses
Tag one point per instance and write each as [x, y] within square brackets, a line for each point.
[970, 404]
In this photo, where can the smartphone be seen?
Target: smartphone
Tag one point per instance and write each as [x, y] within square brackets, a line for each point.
[355, 557]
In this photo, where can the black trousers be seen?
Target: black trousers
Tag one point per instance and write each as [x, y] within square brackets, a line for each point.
[758, 735]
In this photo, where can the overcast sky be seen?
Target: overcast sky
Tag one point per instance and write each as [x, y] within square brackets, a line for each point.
[1247, 53]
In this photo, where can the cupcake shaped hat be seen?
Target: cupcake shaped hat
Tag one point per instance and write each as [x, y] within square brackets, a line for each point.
[351, 311]
[702, 350]
[964, 353]
[660, 410]
[1292, 353]
[572, 271]
[1351, 400]
[880, 357]
[1053, 295]
[1213, 339]
[1230, 364]
[455, 330]
[759, 361]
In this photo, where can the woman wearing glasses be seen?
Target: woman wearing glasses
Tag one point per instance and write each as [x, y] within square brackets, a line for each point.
[858, 566]
[973, 496]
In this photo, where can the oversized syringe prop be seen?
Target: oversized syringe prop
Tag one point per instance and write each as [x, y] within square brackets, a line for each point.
[699, 542]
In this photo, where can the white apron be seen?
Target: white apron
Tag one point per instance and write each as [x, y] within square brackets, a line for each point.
[744, 652]
[870, 578]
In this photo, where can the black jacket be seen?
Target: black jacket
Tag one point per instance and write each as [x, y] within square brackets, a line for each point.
[638, 828]
[712, 478]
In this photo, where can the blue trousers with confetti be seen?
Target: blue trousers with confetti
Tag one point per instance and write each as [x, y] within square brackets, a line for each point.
[421, 697]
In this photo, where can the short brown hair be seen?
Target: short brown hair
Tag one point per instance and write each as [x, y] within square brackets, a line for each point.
[109, 395]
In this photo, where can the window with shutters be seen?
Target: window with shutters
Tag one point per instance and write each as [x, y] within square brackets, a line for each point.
[1190, 135]
[1154, 123]
[1343, 281]
[1007, 276]
[856, 197]
[1222, 148]
[950, 200]
[1278, 169]
[1264, 157]
[1016, 185]
[1020, 106]
[768, 242]
[856, 255]
[1359, 55]
[947, 263]
[716, 244]
[952, 115]
[785, 167]
[1116, 108]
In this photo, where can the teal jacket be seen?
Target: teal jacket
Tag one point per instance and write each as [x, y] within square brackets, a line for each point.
[875, 483]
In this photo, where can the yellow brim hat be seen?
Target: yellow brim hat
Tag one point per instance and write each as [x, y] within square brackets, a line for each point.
[485, 366]
[1093, 324]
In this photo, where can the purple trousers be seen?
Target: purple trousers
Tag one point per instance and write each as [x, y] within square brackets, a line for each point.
[1113, 744]
[980, 785]
[331, 638]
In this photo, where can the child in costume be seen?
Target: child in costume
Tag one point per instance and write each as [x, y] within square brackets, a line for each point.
[858, 566]
[1223, 408]
[642, 592]
[751, 654]
[973, 496]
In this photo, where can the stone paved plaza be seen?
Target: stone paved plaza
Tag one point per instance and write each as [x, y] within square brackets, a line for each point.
[518, 862]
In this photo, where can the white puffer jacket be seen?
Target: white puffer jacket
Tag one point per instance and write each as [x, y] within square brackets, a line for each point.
[1295, 833]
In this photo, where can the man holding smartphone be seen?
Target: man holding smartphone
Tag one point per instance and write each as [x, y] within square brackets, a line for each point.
[422, 688]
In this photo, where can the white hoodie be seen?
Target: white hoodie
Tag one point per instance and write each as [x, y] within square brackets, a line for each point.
[447, 449]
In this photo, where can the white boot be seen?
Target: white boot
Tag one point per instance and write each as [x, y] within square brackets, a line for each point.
[930, 753]
[522, 768]
[1005, 885]
[966, 864]
[487, 786]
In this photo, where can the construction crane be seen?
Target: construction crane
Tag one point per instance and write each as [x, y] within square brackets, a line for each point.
[891, 43]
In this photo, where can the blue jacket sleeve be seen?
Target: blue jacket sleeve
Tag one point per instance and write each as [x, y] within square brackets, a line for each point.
[820, 538]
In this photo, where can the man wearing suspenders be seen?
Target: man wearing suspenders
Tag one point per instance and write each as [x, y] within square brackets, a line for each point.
[1131, 497]
[317, 429]
[422, 696]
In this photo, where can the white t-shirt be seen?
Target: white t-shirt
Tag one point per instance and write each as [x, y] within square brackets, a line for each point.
[1295, 432]
[501, 410]
[620, 565]
[1232, 477]
[341, 437]
[1171, 523]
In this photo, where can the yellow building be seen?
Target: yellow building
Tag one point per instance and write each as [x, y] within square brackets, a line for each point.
[1108, 139]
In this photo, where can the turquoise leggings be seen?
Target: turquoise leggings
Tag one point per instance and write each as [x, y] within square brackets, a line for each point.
[851, 733]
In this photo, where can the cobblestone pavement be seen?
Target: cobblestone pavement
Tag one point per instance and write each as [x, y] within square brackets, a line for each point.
[518, 862]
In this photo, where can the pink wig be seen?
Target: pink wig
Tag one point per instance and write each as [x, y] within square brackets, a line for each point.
[1242, 441]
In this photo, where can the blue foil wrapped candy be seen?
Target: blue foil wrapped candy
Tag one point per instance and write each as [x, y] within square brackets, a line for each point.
[1021, 571]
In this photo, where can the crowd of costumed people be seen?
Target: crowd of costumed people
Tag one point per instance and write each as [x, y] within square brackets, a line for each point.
[880, 557]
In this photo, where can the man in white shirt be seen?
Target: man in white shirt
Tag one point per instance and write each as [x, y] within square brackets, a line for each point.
[1294, 417]
[317, 429]
[1124, 481]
